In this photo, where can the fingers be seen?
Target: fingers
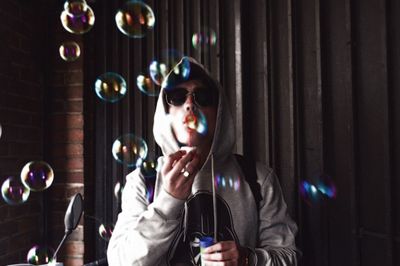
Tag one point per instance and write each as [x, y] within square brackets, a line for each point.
[224, 251]
[171, 159]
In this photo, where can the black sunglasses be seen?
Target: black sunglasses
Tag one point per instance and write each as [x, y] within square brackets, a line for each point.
[202, 97]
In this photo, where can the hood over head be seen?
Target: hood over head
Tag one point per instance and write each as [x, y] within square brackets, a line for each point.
[189, 69]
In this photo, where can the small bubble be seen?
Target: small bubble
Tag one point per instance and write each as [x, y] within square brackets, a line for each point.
[147, 86]
[148, 168]
[129, 149]
[14, 192]
[37, 175]
[135, 19]
[118, 188]
[69, 51]
[110, 87]
[40, 254]
[105, 231]
[204, 39]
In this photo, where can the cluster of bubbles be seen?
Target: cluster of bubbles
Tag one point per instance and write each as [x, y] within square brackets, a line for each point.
[129, 150]
[40, 255]
[77, 18]
[35, 176]
[222, 182]
[313, 192]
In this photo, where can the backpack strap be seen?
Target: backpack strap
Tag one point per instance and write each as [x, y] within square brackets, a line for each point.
[250, 175]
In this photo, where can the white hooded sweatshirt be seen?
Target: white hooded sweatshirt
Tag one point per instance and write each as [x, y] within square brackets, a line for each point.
[167, 230]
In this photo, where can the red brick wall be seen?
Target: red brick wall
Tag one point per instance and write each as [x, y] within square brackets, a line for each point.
[41, 113]
[66, 134]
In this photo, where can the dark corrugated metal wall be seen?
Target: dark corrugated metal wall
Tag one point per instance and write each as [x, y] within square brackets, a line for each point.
[314, 88]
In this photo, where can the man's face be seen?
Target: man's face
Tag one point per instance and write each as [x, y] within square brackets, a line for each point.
[193, 108]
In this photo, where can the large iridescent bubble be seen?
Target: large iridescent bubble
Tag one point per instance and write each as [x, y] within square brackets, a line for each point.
[135, 19]
[130, 150]
[69, 51]
[14, 192]
[78, 24]
[161, 65]
[75, 7]
[179, 73]
[110, 87]
[40, 255]
[147, 86]
[37, 175]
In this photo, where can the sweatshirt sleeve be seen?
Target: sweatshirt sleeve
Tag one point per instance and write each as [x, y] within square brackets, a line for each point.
[277, 230]
[143, 231]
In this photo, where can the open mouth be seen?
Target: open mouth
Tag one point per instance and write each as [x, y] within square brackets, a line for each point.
[191, 121]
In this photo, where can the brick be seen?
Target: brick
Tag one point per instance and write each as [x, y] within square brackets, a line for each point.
[71, 164]
[66, 121]
[67, 150]
[68, 136]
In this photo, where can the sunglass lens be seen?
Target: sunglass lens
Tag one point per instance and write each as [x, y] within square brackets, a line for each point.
[176, 97]
[204, 97]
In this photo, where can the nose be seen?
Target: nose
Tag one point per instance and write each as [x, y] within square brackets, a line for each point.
[189, 104]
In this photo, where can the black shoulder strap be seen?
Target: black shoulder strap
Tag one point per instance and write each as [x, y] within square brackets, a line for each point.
[250, 174]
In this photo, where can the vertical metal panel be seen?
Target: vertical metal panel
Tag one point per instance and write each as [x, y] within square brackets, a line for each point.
[310, 123]
[371, 106]
[338, 126]
[393, 41]
[282, 99]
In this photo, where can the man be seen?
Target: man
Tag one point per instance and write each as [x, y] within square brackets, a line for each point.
[201, 189]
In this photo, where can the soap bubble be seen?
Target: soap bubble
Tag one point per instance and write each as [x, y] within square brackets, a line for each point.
[196, 121]
[105, 231]
[118, 189]
[1, 130]
[70, 51]
[150, 186]
[148, 168]
[14, 192]
[110, 87]
[78, 24]
[75, 7]
[224, 182]
[147, 86]
[179, 74]
[163, 64]
[322, 188]
[37, 175]
[204, 39]
[39, 254]
[135, 19]
[130, 150]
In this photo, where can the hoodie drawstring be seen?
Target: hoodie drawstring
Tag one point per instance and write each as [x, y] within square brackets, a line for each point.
[214, 198]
